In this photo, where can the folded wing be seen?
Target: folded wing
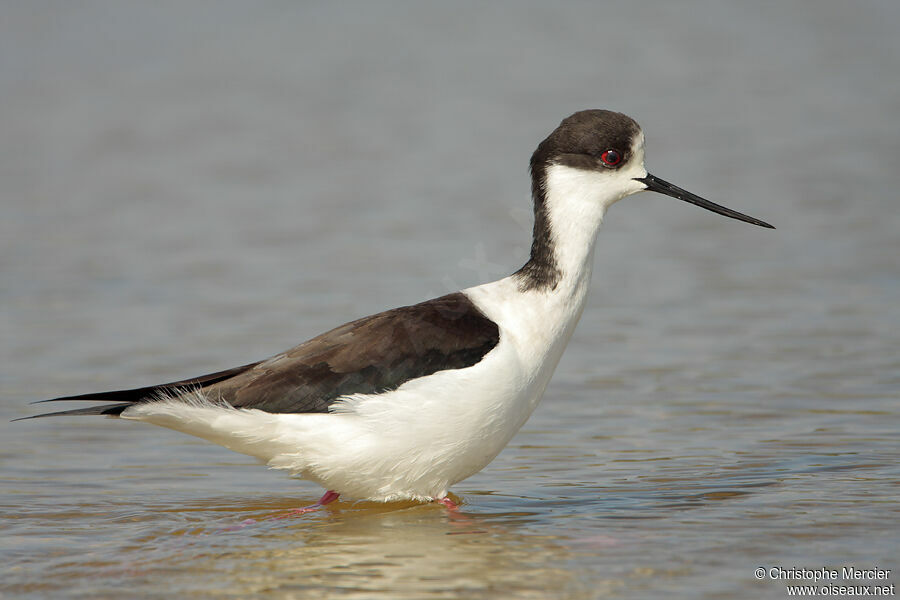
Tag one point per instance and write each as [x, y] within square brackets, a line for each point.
[367, 356]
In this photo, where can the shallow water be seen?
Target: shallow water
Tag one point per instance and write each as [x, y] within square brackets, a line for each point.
[187, 188]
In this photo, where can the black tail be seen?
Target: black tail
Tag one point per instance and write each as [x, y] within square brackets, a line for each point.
[124, 398]
[103, 409]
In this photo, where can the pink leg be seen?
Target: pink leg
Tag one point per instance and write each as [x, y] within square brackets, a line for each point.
[450, 504]
[457, 517]
[327, 498]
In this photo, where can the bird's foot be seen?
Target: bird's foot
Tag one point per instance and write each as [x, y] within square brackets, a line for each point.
[449, 503]
[456, 516]
[327, 498]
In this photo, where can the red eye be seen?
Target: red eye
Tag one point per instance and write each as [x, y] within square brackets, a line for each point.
[611, 158]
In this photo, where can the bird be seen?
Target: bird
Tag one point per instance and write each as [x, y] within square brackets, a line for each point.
[405, 403]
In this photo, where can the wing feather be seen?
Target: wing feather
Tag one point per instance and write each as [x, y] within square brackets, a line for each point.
[370, 355]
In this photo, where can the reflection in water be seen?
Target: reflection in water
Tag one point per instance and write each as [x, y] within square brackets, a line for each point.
[407, 553]
[403, 550]
[524, 546]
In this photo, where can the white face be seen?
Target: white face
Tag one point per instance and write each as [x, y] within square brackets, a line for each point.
[581, 195]
[634, 169]
[598, 183]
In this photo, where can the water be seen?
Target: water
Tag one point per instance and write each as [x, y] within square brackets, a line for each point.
[190, 187]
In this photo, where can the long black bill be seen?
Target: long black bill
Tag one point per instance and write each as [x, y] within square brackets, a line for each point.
[655, 184]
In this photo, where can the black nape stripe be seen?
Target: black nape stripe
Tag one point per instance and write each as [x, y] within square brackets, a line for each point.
[541, 271]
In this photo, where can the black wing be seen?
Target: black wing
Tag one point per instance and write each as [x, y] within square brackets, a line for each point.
[370, 355]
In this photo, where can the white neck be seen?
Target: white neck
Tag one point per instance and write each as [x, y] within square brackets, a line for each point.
[538, 307]
[576, 201]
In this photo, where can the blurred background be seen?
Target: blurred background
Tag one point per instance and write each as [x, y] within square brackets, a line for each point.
[188, 186]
